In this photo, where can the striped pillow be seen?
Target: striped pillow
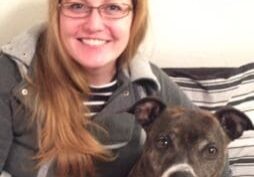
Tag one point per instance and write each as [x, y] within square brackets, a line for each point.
[212, 88]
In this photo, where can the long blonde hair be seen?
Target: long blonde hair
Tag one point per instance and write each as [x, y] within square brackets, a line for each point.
[59, 87]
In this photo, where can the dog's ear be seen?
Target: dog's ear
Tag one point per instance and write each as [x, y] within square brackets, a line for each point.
[233, 121]
[147, 109]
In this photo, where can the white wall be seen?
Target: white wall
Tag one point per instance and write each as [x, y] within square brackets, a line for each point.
[18, 15]
[182, 32]
[202, 32]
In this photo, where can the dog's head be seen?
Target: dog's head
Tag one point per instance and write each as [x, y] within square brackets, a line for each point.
[187, 143]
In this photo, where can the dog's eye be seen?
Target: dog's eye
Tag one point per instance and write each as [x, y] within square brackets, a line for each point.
[163, 141]
[211, 151]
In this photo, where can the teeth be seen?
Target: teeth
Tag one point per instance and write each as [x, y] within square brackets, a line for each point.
[93, 42]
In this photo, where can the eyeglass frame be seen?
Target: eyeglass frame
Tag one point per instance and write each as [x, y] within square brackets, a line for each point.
[63, 5]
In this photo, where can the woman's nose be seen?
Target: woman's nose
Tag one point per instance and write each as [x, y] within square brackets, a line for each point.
[94, 21]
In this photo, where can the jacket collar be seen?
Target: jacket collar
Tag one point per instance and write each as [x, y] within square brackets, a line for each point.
[22, 50]
[140, 69]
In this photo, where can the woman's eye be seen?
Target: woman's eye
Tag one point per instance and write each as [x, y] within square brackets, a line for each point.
[76, 6]
[113, 7]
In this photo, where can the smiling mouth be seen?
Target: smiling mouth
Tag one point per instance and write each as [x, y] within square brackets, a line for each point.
[93, 42]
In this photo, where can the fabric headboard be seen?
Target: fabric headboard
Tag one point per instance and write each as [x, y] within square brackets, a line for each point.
[211, 88]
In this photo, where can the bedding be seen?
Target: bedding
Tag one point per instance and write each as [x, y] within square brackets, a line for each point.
[211, 88]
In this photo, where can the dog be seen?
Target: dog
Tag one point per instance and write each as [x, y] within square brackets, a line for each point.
[183, 142]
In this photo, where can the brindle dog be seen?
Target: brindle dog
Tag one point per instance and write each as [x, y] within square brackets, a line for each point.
[185, 143]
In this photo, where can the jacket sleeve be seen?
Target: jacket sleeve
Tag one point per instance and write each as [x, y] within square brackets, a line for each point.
[8, 78]
[5, 129]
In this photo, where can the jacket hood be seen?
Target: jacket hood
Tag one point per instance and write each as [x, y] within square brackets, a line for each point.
[22, 49]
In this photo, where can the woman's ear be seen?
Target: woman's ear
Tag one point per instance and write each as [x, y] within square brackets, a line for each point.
[233, 121]
[147, 110]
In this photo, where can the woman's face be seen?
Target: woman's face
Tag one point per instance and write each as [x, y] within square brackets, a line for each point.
[94, 41]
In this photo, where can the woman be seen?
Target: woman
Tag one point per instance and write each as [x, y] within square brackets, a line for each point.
[66, 86]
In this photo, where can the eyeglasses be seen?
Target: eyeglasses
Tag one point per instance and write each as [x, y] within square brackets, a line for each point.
[107, 10]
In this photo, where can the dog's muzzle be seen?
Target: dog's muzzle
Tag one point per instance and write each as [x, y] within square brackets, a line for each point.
[179, 170]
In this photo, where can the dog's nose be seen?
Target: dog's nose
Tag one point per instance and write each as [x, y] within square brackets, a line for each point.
[181, 174]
